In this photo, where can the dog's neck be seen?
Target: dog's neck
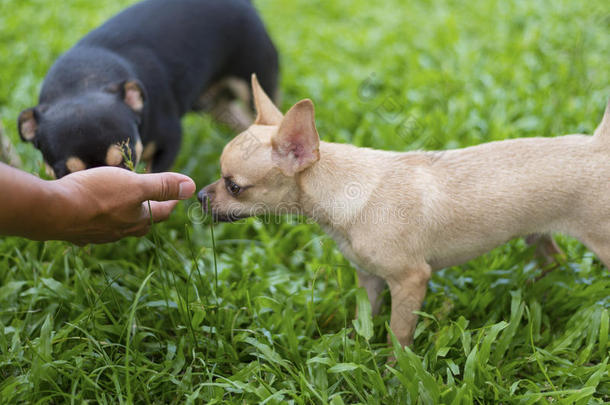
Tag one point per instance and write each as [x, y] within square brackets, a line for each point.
[335, 189]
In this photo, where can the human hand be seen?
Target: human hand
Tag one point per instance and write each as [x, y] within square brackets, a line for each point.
[106, 204]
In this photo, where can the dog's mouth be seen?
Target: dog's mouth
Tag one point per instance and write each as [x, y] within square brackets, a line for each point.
[227, 217]
[221, 217]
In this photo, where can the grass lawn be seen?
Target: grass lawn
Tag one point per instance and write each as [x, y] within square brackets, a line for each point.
[262, 313]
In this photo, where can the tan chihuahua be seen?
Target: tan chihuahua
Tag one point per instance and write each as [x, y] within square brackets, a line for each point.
[399, 216]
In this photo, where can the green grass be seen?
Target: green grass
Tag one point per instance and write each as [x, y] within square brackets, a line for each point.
[268, 317]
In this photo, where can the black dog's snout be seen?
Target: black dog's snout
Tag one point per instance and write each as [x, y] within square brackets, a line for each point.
[60, 170]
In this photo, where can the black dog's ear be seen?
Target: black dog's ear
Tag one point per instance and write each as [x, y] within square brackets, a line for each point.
[132, 93]
[27, 123]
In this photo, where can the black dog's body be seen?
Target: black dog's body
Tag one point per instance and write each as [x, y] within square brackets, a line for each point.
[172, 52]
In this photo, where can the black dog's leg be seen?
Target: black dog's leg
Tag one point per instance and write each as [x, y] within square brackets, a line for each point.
[228, 101]
[166, 150]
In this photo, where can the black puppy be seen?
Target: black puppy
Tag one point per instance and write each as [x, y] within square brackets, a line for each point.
[129, 81]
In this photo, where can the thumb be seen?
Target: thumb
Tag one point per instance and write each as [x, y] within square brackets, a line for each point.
[166, 186]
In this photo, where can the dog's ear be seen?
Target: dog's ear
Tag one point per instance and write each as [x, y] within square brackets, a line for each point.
[604, 127]
[132, 93]
[266, 112]
[27, 124]
[296, 145]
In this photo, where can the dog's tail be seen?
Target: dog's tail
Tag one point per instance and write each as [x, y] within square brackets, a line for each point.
[603, 129]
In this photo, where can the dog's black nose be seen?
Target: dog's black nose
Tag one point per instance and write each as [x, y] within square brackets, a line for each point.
[203, 198]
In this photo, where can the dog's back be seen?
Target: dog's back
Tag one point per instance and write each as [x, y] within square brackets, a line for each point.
[194, 41]
[546, 184]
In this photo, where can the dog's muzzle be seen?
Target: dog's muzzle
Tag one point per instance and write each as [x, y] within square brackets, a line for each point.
[204, 197]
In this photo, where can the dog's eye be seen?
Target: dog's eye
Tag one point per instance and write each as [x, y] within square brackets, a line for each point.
[232, 187]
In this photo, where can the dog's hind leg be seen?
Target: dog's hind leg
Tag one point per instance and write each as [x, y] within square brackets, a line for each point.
[228, 101]
[374, 286]
[233, 114]
[546, 247]
[547, 251]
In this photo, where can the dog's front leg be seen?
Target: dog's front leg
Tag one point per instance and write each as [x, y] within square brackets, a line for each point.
[408, 290]
[374, 286]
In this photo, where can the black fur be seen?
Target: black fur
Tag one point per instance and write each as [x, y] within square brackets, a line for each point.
[174, 50]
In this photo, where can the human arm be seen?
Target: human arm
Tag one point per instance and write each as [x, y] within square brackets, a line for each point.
[93, 206]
